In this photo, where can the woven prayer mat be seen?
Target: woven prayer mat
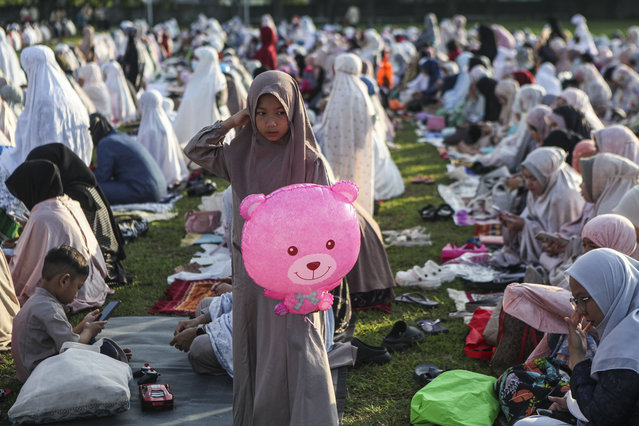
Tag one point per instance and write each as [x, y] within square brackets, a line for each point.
[183, 297]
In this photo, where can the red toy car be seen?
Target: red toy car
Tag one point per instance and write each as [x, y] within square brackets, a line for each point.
[156, 396]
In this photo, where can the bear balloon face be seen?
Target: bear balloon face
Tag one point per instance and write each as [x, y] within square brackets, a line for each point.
[300, 238]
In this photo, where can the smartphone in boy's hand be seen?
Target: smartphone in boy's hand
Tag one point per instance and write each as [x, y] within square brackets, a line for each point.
[106, 312]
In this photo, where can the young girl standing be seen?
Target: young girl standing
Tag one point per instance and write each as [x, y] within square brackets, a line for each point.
[281, 371]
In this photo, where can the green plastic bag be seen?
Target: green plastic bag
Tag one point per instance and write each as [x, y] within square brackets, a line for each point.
[456, 397]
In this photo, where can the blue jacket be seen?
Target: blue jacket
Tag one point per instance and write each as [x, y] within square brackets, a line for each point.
[127, 172]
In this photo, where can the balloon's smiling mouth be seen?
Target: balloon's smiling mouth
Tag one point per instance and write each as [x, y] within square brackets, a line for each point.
[314, 278]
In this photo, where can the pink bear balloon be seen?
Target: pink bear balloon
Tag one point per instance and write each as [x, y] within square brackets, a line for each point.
[300, 241]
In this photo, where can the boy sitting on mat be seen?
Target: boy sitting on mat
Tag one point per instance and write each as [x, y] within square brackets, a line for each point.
[41, 327]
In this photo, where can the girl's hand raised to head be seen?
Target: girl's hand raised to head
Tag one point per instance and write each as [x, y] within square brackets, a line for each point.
[241, 118]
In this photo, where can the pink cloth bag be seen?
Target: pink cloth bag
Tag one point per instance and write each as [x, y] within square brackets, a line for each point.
[540, 306]
[202, 222]
[435, 123]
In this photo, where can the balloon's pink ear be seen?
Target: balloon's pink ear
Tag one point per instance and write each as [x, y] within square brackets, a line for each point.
[346, 188]
[249, 204]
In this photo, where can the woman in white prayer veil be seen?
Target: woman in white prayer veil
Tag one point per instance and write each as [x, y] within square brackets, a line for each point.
[9, 63]
[120, 39]
[68, 59]
[8, 123]
[546, 77]
[309, 31]
[230, 58]
[199, 107]
[513, 149]
[388, 180]
[346, 130]
[593, 83]
[53, 111]
[585, 43]
[90, 78]
[169, 108]
[459, 23]
[105, 48]
[372, 47]
[157, 136]
[579, 99]
[456, 97]
[122, 105]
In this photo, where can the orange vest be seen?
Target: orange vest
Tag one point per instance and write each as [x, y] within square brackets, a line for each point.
[385, 73]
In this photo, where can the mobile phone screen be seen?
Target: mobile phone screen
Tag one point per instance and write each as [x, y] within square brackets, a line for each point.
[106, 312]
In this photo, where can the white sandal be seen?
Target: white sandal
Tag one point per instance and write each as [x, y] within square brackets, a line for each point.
[417, 277]
[444, 274]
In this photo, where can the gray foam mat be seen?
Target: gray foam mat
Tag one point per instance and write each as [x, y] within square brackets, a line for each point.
[199, 400]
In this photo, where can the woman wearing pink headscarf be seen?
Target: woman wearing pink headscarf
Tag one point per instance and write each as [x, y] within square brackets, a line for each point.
[537, 123]
[503, 37]
[606, 179]
[609, 231]
[618, 140]
[595, 86]
[626, 96]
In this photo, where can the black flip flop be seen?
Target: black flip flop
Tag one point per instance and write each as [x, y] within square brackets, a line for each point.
[444, 211]
[428, 213]
[431, 326]
[425, 372]
[417, 299]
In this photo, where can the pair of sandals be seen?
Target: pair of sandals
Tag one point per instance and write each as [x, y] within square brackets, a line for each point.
[432, 213]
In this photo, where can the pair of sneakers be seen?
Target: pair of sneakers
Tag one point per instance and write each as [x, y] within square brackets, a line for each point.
[430, 276]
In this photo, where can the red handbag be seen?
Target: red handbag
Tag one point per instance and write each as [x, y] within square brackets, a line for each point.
[202, 222]
[476, 346]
